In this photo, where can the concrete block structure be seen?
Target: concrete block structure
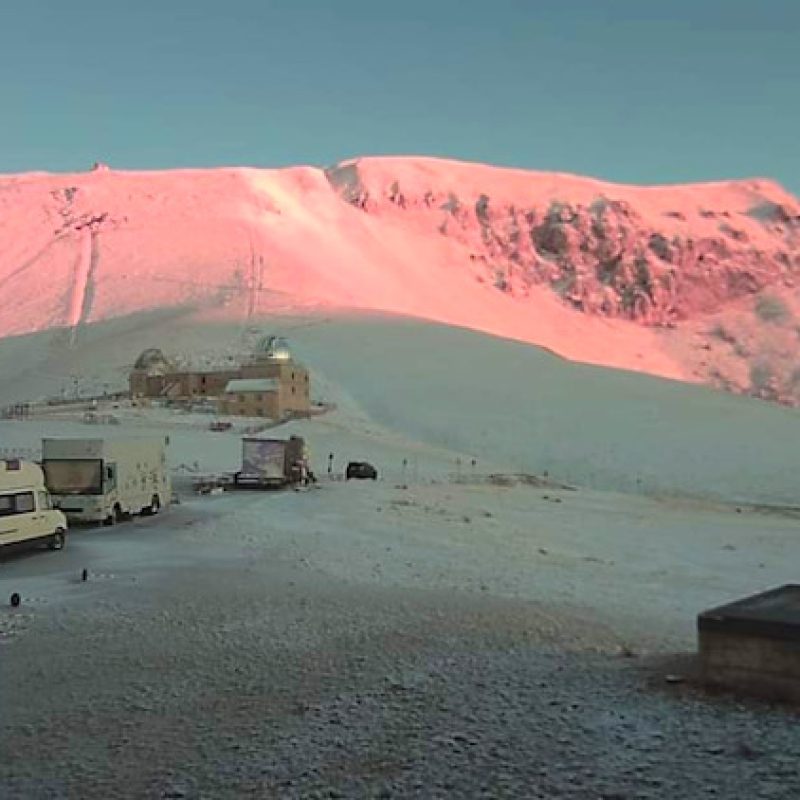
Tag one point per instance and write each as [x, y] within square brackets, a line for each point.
[753, 645]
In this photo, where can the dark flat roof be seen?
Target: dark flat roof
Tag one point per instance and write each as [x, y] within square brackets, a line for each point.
[774, 614]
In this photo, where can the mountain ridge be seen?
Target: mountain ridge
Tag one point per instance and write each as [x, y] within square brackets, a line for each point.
[593, 270]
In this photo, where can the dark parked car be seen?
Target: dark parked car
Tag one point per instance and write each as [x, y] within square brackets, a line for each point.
[362, 470]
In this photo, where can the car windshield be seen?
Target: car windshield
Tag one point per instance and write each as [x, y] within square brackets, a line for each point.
[74, 476]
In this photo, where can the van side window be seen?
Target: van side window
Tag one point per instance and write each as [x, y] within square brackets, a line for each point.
[6, 505]
[20, 503]
[24, 503]
[44, 502]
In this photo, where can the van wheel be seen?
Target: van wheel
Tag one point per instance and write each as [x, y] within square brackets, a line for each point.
[109, 521]
[119, 514]
[153, 508]
[58, 540]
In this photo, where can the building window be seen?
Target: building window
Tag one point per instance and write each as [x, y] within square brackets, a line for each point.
[241, 398]
[292, 389]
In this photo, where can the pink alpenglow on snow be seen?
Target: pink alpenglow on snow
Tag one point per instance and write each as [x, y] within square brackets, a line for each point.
[592, 270]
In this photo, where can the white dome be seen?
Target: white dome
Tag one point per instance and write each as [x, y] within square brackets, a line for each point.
[273, 347]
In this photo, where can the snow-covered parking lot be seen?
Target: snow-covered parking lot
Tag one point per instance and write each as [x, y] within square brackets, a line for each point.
[435, 633]
[407, 637]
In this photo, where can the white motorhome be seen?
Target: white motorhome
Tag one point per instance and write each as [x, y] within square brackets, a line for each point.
[26, 510]
[106, 480]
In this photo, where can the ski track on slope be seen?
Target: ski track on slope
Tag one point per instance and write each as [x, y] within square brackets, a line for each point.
[80, 282]
[91, 283]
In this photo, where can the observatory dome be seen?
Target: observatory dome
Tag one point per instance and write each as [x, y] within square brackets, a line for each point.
[274, 348]
[153, 362]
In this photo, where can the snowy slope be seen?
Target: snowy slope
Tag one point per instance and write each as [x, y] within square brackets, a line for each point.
[507, 402]
[510, 405]
[508, 252]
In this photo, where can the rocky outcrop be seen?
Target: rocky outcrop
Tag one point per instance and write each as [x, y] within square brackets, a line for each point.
[603, 257]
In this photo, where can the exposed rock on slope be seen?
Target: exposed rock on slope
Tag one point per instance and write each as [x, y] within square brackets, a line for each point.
[655, 255]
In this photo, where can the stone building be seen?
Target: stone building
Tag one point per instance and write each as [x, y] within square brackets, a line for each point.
[155, 377]
[272, 359]
[251, 397]
[149, 374]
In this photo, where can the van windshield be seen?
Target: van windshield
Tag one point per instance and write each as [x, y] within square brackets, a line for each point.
[75, 476]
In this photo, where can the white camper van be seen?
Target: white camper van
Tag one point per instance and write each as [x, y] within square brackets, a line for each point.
[106, 480]
[26, 511]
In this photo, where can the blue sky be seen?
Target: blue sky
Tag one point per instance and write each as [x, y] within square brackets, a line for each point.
[631, 90]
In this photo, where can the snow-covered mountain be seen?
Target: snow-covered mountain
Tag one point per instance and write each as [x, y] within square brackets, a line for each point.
[693, 282]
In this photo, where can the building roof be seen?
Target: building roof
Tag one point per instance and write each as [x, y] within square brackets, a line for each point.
[244, 385]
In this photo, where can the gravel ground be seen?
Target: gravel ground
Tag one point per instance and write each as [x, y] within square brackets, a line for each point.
[388, 639]
[269, 681]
